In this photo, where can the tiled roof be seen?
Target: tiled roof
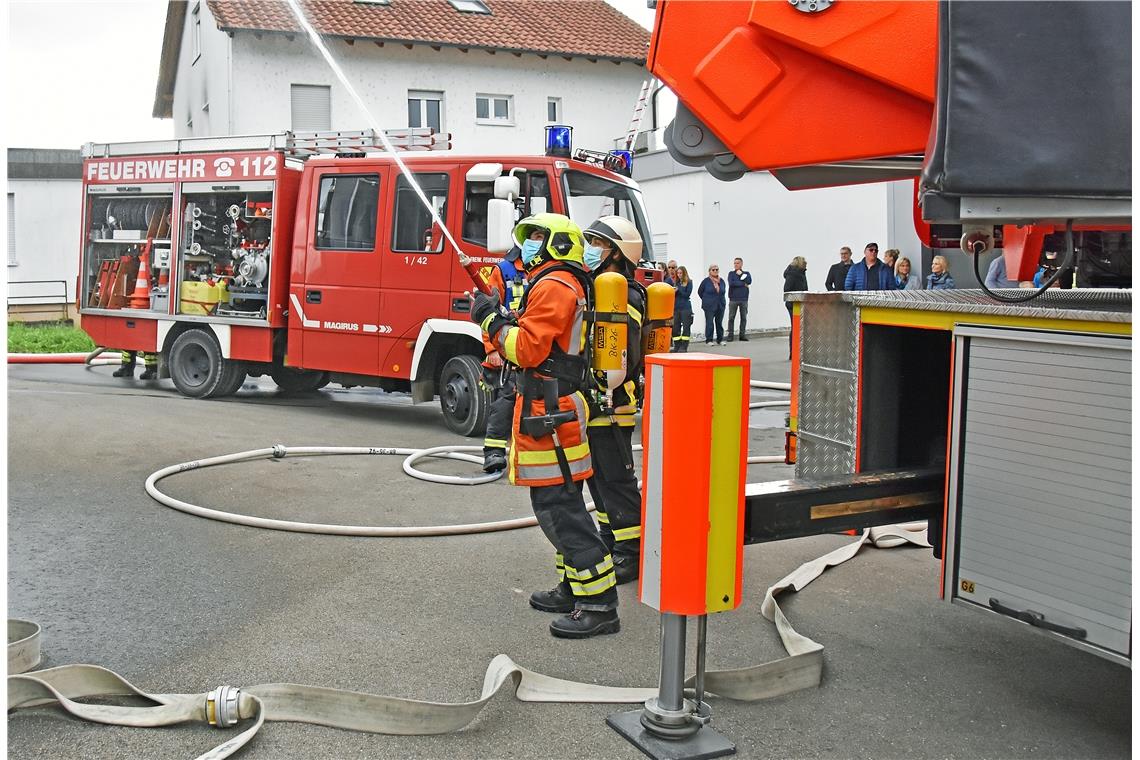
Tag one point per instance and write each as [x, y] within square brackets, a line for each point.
[580, 28]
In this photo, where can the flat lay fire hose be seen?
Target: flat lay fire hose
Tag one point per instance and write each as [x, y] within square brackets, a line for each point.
[226, 706]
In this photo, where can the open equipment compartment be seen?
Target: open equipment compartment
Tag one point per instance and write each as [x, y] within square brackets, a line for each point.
[226, 249]
[126, 225]
[205, 223]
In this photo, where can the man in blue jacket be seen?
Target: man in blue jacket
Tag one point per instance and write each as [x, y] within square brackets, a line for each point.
[870, 273]
[739, 283]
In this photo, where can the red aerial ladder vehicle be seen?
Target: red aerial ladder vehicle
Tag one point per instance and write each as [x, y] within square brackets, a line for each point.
[1003, 417]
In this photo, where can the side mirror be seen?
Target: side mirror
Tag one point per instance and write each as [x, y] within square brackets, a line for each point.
[500, 224]
[537, 205]
[507, 188]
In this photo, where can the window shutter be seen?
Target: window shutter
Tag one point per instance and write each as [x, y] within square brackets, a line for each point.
[310, 106]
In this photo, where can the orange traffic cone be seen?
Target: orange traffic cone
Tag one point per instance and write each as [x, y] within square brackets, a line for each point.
[163, 278]
[140, 296]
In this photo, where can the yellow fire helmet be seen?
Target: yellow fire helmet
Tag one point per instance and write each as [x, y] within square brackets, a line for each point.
[621, 233]
[562, 240]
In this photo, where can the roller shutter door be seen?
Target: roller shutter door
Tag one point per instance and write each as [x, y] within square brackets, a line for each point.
[310, 106]
[1046, 481]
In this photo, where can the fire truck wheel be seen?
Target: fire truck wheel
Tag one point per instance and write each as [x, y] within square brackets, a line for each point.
[198, 368]
[462, 397]
[293, 380]
[233, 377]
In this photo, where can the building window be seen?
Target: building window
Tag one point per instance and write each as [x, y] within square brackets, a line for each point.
[425, 109]
[494, 109]
[311, 107]
[197, 17]
[346, 212]
[12, 230]
[470, 6]
[554, 110]
[414, 230]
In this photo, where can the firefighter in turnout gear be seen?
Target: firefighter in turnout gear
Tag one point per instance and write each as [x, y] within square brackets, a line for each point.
[549, 450]
[508, 278]
[613, 244]
[150, 365]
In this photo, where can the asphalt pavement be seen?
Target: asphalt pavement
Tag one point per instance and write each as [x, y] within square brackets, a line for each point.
[176, 603]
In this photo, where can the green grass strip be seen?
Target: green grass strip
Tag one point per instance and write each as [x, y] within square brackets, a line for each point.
[47, 339]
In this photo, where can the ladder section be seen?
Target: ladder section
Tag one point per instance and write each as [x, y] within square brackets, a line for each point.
[299, 145]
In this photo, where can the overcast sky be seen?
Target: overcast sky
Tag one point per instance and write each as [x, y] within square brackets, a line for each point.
[86, 70]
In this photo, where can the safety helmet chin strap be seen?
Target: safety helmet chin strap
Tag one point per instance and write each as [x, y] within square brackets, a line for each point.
[544, 254]
[616, 257]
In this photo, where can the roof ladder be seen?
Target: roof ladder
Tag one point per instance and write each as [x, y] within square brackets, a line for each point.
[295, 144]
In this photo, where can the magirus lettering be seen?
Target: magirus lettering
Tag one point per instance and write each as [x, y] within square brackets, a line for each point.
[342, 326]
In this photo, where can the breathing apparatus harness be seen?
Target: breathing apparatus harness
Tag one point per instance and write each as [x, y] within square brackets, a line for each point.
[559, 374]
[620, 347]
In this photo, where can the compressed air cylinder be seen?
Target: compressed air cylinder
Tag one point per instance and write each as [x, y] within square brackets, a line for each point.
[657, 333]
[611, 310]
[692, 527]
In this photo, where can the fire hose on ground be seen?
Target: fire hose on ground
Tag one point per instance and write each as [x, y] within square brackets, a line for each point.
[226, 706]
[93, 358]
[381, 531]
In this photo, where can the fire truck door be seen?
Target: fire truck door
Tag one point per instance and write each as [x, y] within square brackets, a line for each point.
[417, 265]
[339, 300]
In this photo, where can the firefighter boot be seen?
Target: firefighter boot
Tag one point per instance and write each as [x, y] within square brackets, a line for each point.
[626, 569]
[494, 459]
[149, 373]
[557, 599]
[127, 370]
[582, 624]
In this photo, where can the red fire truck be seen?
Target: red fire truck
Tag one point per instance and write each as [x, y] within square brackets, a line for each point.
[310, 258]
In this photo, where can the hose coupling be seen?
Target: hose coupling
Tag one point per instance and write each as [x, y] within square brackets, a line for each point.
[222, 706]
[279, 451]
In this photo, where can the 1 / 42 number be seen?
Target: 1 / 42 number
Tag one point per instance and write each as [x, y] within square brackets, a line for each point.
[415, 260]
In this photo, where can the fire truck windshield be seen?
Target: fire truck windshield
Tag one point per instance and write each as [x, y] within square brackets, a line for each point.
[590, 196]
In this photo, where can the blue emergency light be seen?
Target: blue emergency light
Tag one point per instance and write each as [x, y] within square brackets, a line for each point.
[626, 157]
[558, 139]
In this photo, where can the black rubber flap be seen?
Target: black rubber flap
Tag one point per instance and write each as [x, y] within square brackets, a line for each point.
[1034, 101]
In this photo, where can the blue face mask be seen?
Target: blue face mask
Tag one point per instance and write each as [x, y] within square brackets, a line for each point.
[592, 256]
[530, 251]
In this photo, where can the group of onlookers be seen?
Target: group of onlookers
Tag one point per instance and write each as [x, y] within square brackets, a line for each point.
[715, 293]
[892, 272]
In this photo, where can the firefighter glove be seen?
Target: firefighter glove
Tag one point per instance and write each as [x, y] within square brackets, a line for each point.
[484, 308]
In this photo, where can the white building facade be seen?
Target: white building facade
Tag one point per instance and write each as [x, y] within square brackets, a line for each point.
[699, 221]
[217, 81]
[44, 206]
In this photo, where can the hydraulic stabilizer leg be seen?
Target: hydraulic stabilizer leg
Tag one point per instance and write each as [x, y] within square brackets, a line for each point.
[670, 726]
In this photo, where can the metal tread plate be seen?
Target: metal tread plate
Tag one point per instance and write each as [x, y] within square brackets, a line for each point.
[1095, 305]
